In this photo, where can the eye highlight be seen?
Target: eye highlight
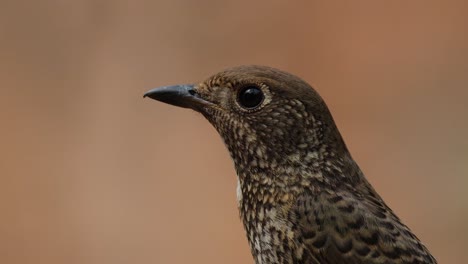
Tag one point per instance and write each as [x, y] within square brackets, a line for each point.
[250, 97]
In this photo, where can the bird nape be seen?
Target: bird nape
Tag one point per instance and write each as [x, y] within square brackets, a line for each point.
[301, 196]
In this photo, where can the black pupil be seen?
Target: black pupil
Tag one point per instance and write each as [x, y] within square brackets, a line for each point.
[250, 97]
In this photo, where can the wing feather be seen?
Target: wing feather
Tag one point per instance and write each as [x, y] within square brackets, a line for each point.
[346, 227]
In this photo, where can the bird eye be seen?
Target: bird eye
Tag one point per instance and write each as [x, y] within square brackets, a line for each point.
[250, 97]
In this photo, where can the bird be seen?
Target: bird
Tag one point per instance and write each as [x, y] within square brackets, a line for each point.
[301, 196]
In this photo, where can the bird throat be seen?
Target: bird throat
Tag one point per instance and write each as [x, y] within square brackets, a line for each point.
[263, 205]
[265, 196]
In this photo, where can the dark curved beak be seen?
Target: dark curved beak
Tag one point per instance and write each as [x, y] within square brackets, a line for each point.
[178, 95]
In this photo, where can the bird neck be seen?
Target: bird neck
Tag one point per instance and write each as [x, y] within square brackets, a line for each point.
[266, 183]
[266, 195]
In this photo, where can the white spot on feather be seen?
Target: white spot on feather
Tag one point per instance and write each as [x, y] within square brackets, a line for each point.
[239, 193]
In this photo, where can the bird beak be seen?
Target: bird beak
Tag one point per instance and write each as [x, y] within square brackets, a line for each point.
[178, 95]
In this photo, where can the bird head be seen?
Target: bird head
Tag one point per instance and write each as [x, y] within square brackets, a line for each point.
[271, 121]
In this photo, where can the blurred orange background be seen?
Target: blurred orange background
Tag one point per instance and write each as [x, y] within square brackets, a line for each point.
[90, 172]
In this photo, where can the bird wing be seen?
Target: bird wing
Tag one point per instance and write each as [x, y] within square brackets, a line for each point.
[352, 227]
